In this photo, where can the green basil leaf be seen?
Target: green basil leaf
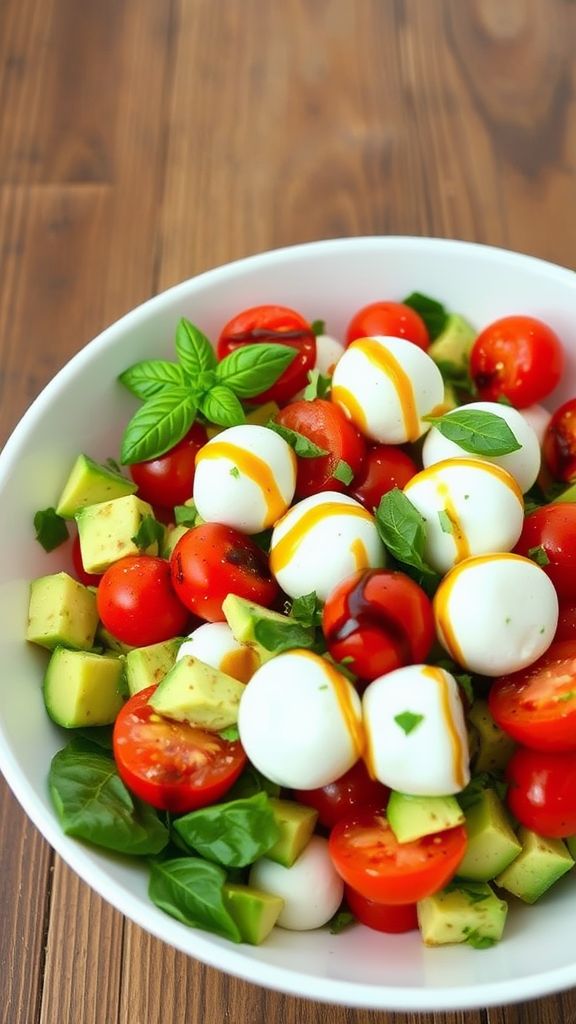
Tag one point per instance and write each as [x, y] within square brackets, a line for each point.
[195, 352]
[307, 609]
[99, 735]
[190, 889]
[476, 431]
[231, 734]
[538, 555]
[279, 637]
[479, 782]
[408, 721]
[151, 376]
[343, 472]
[318, 386]
[158, 425]
[51, 529]
[250, 782]
[233, 834]
[300, 444]
[262, 539]
[221, 406]
[342, 919]
[403, 530]
[318, 327]
[432, 312]
[150, 532]
[185, 515]
[252, 369]
[93, 803]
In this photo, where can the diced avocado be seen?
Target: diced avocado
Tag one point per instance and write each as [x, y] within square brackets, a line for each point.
[82, 688]
[455, 342]
[492, 845]
[194, 692]
[255, 912]
[90, 483]
[449, 402]
[61, 612]
[541, 863]
[107, 531]
[258, 416]
[148, 665]
[470, 912]
[569, 495]
[243, 616]
[411, 817]
[105, 639]
[296, 824]
[171, 537]
[495, 747]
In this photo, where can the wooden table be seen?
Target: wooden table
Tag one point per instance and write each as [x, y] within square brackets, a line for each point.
[142, 141]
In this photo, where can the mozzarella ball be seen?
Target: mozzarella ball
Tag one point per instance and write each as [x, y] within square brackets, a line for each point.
[385, 386]
[322, 540]
[523, 465]
[245, 477]
[496, 614]
[416, 735]
[328, 353]
[538, 418]
[470, 507]
[214, 644]
[312, 889]
[300, 721]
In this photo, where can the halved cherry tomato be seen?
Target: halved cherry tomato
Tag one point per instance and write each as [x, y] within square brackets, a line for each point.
[283, 326]
[566, 629]
[167, 480]
[392, 319]
[517, 357]
[553, 529]
[386, 466]
[559, 445]
[172, 765]
[325, 425]
[211, 561]
[542, 791]
[353, 791]
[367, 855]
[537, 706]
[382, 917]
[137, 603]
[89, 579]
[380, 621]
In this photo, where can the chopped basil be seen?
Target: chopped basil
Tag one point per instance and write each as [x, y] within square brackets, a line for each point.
[408, 721]
[478, 783]
[307, 609]
[185, 515]
[231, 734]
[432, 312]
[318, 385]
[318, 327]
[475, 891]
[538, 555]
[279, 636]
[343, 472]
[476, 431]
[235, 472]
[51, 529]
[446, 523]
[150, 531]
[301, 445]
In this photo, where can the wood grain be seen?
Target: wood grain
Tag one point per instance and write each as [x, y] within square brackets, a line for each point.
[142, 141]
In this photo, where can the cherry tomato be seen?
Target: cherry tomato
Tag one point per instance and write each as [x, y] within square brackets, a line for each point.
[537, 706]
[542, 791]
[167, 480]
[566, 629]
[173, 766]
[381, 620]
[559, 445]
[385, 467]
[553, 528]
[367, 855]
[211, 561]
[518, 358]
[266, 324]
[351, 792]
[137, 603]
[325, 425]
[89, 579]
[392, 319]
[382, 917]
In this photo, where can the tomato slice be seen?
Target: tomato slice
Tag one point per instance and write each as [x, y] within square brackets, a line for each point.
[353, 791]
[367, 855]
[382, 917]
[172, 765]
[537, 706]
[542, 791]
[325, 425]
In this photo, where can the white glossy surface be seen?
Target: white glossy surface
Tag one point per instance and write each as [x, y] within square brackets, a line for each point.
[311, 888]
[335, 278]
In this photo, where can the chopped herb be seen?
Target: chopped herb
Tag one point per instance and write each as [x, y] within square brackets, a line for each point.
[478, 783]
[343, 472]
[235, 472]
[185, 515]
[432, 312]
[465, 683]
[279, 636]
[307, 609]
[324, 687]
[538, 555]
[445, 522]
[150, 532]
[231, 734]
[342, 919]
[51, 530]
[475, 891]
[478, 941]
[318, 327]
[566, 696]
[301, 445]
[318, 385]
[408, 721]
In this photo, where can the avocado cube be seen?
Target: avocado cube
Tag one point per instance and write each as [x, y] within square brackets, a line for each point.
[146, 666]
[454, 343]
[194, 692]
[569, 495]
[82, 688]
[243, 616]
[171, 537]
[61, 612]
[255, 912]
[467, 913]
[90, 483]
[411, 817]
[492, 845]
[541, 863]
[105, 639]
[107, 531]
[495, 747]
[296, 824]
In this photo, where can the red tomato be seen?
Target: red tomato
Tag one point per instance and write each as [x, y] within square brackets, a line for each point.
[537, 706]
[392, 319]
[325, 425]
[566, 629]
[518, 358]
[542, 791]
[353, 791]
[381, 620]
[367, 855]
[559, 445]
[279, 325]
[137, 604]
[211, 561]
[173, 766]
[382, 917]
[553, 528]
[385, 467]
[167, 480]
[89, 579]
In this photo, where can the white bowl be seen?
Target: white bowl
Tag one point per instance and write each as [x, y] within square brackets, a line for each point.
[84, 409]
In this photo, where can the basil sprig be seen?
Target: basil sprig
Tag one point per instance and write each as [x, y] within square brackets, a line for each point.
[477, 431]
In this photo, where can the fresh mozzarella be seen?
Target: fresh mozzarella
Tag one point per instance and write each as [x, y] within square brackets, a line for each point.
[385, 386]
[523, 465]
[470, 508]
[328, 353]
[311, 889]
[245, 477]
[496, 614]
[415, 731]
[300, 721]
[213, 643]
[322, 540]
[538, 418]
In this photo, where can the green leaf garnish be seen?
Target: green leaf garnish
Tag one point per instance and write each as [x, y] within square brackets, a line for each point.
[51, 529]
[318, 385]
[403, 531]
[307, 609]
[476, 431]
[235, 472]
[478, 941]
[432, 312]
[190, 889]
[158, 425]
[342, 919]
[318, 327]
[343, 472]
[234, 833]
[185, 515]
[446, 523]
[194, 350]
[252, 369]
[475, 891]
[279, 636]
[151, 376]
[300, 444]
[408, 721]
[221, 406]
[149, 532]
[231, 734]
[478, 783]
[538, 555]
